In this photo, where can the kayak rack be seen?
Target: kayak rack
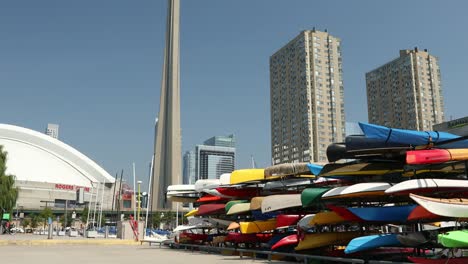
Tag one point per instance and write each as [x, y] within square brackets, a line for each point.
[306, 258]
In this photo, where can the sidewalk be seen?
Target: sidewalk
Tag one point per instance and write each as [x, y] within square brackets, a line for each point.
[34, 240]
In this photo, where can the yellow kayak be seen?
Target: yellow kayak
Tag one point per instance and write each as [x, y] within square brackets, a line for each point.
[247, 175]
[257, 226]
[192, 213]
[317, 240]
[256, 203]
[326, 218]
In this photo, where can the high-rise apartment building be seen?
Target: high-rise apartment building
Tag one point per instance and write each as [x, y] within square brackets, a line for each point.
[52, 130]
[406, 92]
[306, 98]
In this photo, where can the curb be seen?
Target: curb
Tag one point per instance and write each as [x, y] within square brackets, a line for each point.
[52, 242]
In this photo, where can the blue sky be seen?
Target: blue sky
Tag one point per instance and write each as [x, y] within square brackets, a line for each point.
[94, 67]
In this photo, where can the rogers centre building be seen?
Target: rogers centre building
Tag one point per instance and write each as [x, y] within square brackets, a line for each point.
[50, 173]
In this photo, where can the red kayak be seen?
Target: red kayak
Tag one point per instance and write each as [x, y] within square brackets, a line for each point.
[344, 213]
[239, 192]
[438, 261]
[247, 238]
[211, 209]
[210, 198]
[429, 156]
[187, 237]
[420, 213]
[283, 221]
[286, 241]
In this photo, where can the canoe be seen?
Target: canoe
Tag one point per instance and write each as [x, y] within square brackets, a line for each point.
[247, 175]
[286, 169]
[247, 238]
[283, 220]
[326, 218]
[287, 183]
[316, 240]
[290, 240]
[256, 203]
[421, 260]
[421, 213]
[344, 213]
[363, 168]
[311, 196]
[211, 209]
[358, 190]
[394, 136]
[429, 156]
[231, 203]
[383, 213]
[454, 239]
[201, 185]
[456, 207]
[258, 215]
[191, 213]
[371, 242]
[239, 192]
[187, 237]
[277, 237]
[182, 199]
[427, 186]
[257, 226]
[304, 222]
[281, 201]
[239, 208]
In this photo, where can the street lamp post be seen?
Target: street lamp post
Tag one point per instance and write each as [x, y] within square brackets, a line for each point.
[139, 201]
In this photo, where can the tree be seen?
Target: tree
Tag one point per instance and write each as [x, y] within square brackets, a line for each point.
[35, 219]
[69, 220]
[8, 193]
[84, 215]
[26, 223]
[45, 214]
[156, 219]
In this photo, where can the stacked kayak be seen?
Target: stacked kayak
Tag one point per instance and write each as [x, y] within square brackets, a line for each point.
[386, 192]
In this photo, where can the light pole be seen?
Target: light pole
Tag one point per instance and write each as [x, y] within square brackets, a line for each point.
[139, 201]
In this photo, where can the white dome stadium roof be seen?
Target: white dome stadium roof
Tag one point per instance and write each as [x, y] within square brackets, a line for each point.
[33, 156]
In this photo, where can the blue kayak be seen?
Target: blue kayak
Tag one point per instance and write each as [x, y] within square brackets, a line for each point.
[257, 214]
[383, 213]
[372, 242]
[314, 168]
[395, 136]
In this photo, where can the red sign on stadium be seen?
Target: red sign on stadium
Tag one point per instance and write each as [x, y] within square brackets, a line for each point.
[70, 187]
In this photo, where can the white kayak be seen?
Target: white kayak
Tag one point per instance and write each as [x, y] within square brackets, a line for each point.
[281, 201]
[207, 184]
[181, 187]
[357, 190]
[455, 207]
[304, 223]
[225, 179]
[427, 185]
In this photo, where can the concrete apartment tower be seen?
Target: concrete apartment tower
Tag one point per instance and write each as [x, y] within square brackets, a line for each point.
[168, 156]
[406, 92]
[306, 98]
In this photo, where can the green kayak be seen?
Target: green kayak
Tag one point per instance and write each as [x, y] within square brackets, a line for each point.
[312, 195]
[231, 203]
[454, 239]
